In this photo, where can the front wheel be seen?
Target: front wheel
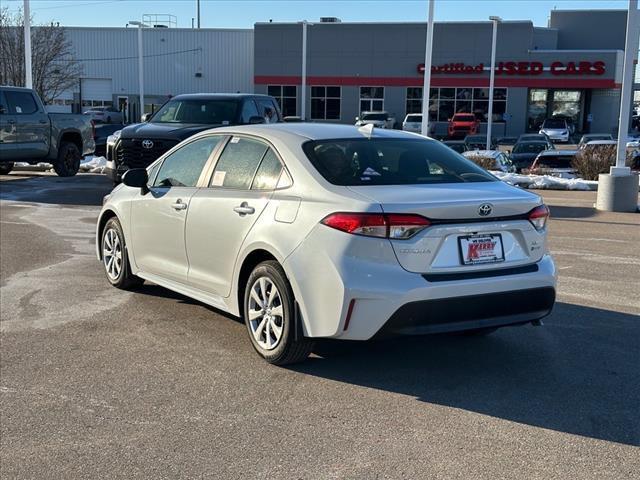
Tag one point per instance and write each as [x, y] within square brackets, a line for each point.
[5, 168]
[68, 162]
[269, 314]
[114, 257]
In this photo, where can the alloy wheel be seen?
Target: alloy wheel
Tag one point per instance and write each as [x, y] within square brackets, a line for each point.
[265, 313]
[112, 254]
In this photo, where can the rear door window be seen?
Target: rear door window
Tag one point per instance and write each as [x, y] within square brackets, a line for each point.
[249, 110]
[183, 167]
[268, 110]
[238, 163]
[268, 172]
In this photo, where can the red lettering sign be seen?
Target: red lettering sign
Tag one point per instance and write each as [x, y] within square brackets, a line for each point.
[511, 68]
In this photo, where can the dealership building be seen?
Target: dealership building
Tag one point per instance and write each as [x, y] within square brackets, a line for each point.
[571, 68]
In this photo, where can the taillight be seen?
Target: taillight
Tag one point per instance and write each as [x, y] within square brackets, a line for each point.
[396, 226]
[538, 217]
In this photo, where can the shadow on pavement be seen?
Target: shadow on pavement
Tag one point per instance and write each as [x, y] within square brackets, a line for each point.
[571, 212]
[579, 374]
[82, 190]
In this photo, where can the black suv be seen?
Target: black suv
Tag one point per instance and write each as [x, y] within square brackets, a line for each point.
[139, 145]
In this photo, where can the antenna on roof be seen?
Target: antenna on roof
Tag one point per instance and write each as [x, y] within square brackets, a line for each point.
[366, 130]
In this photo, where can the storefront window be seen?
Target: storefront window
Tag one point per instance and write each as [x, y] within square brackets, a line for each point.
[544, 103]
[371, 99]
[325, 103]
[444, 102]
[537, 108]
[286, 95]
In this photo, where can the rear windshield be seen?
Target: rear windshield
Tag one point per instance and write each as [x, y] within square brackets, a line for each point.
[554, 123]
[529, 147]
[215, 112]
[375, 116]
[555, 162]
[388, 161]
[464, 118]
[414, 118]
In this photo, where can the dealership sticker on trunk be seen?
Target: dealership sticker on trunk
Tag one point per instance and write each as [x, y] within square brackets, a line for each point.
[475, 249]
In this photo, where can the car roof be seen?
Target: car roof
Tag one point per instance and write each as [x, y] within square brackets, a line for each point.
[217, 96]
[557, 153]
[313, 131]
[541, 135]
[588, 135]
[374, 111]
[532, 141]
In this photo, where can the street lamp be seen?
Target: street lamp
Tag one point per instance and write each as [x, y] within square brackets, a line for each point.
[303, 86]
[492, 75]
[28, 78]
[426, 86]
[140, 25]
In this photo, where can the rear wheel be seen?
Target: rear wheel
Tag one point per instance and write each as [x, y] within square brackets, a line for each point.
[5, 168]
[68, 162]
[269, 314]
[115, 259]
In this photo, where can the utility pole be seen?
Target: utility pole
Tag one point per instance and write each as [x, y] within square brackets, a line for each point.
[140, 65]
[28, 77]
[492, 78]
[198, 11]
[618, 190]
[303, 93]
[426, 86]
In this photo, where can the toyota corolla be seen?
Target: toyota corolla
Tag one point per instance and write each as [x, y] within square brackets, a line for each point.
[330, 231]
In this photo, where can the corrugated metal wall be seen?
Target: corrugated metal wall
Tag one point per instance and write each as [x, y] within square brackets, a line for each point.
[172, 58]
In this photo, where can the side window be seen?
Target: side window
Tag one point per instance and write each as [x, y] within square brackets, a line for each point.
[238, 163]
[183, 167]
[268, 110]
[21, 102]
[152, 170]
[268, 172]
[249, 110]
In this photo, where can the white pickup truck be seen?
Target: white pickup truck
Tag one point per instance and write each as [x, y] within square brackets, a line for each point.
[29, 134]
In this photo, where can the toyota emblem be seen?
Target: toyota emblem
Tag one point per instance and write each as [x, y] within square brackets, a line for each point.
[485, 209]
[147, 144]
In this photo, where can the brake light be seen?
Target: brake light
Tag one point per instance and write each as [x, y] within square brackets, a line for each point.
[395, 226]
[538, 216]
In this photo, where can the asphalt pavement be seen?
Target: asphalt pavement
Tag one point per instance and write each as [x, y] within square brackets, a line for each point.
[100, 383]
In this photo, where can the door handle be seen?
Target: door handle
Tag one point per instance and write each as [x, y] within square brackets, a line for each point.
[244, 209]
[179, 205]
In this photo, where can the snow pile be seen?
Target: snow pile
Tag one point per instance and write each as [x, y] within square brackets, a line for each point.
[93, 164]
[546, 182]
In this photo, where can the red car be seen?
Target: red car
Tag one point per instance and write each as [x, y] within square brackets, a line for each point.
[463, 124]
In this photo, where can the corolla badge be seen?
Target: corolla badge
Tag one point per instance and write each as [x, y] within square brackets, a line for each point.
[485, 209]
[147, 144]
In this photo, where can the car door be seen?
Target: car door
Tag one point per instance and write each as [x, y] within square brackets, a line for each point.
[32, 124]
[158, 216]
[8, 131]
[221, 216]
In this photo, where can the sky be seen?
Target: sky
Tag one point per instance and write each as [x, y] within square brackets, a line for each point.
[244, 13]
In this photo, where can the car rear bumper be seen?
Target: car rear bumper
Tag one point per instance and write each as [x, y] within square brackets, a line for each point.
[470, 312]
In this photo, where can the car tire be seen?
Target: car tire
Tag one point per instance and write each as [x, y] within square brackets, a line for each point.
[270, 316]
[115, 258]
[5, 168]
[68, 162]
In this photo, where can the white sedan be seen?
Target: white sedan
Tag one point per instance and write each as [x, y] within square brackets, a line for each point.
[329, 231]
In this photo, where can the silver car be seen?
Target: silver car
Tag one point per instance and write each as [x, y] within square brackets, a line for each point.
[330, 231]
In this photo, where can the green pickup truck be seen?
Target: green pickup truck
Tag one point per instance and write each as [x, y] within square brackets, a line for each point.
[29, 134]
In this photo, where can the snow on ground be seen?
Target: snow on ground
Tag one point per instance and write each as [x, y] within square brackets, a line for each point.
[93, 164]
[546, 182]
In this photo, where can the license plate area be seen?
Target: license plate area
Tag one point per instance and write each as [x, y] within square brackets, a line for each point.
[481, 249]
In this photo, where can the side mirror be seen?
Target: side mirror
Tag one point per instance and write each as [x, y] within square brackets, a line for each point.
[136, 178]
[256, 120]
[146, 117]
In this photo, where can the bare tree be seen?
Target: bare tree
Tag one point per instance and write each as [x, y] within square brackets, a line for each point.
[54, 67]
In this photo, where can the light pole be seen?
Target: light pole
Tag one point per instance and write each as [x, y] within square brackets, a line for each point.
[198, 11]
[140, 65]
[492, 77]
[303, 82]
[618, 190]
[426, 86]
[28, 78]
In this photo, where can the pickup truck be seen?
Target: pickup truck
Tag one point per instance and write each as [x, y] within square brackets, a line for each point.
[139, 145]
[29, 134]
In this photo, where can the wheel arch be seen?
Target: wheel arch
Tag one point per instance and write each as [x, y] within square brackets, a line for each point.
[71, 136]
[249, 262]
[105, 216]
